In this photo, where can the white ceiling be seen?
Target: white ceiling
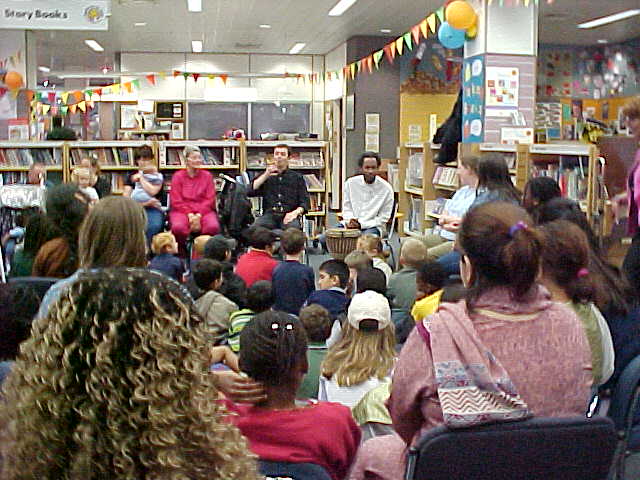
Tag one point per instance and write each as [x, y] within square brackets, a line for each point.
[232, 26]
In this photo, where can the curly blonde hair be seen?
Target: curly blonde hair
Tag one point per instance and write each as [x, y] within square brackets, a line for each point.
[360, 355]
[114, 383]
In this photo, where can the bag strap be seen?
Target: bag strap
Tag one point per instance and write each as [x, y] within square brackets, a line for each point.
[424, 333]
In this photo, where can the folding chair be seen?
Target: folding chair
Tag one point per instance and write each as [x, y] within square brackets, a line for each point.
[575, 448]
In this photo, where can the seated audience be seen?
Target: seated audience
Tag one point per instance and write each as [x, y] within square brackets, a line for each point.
[66, 208]
[364, 356]
[84, 179]
[101, 183]
[165, 249]
[508, 326]
[274, 347]
[430, 281]
[214, 307]
[14, 237]
[37, 233]
[333, 276]
[372, 246]
[259, 299]
[114, 383]
[292, 281]
[402, 284]
[258, 263]
[355, 261]
[537, 192]
[372, 279]
[317, 323]
[565, 259]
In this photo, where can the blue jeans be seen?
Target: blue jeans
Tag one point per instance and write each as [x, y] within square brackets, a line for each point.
[451, 263]
[155, 222]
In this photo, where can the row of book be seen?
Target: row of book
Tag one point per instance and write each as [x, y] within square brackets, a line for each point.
[573, 182]
[25, 157]
[225, 156]
[446, 176]
[415, 172]
[313, 182]
[297, 159]
[9, 178]
[107, 156]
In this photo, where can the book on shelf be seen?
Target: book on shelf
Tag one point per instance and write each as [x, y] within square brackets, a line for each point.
[107, 156]
[118, 180]
[313, 182]
[393, 176]
[446, 176]
[316, 203]
[296, 159]
[415, 214]
[25, 157]
[415, 170]
[573, 182]
[435, 207]
[309, 228]
[175, 156]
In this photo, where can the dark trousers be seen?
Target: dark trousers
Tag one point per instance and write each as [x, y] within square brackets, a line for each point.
[631, 265]
[274, 222]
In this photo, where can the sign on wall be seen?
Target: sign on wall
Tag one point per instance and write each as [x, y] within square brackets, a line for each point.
[55, 14]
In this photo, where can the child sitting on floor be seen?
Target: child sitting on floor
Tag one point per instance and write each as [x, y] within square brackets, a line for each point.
[274, 346]
[317, 323]
[292, 281]
[355, 261]
[333, 277]
[259, 299]
[165, 248]
[372, 246]
[430, 281]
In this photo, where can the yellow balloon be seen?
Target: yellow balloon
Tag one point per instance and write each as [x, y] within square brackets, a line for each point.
[460, 15]
[472, 32]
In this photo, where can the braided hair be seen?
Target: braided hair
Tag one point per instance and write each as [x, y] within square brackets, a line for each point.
[272, 344]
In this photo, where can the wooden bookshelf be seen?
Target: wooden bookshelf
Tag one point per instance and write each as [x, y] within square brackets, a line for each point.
[16, 159]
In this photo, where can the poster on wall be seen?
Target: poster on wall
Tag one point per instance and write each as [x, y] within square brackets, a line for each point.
[372, 132]
[502, 87]
[473, 100]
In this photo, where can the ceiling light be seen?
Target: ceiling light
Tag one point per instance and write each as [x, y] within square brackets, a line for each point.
[602, 41]
[610, 19]
[44, 69]
[385, 30]
[140, 24]
[92, 44]
[194, 5]
[341, 7]
[196, 46]
[265, 25]
[296, 48]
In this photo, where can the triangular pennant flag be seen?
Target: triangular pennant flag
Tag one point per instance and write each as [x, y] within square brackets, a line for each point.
[163, 75]
[128, 87]
[399, 45]
[87, 97]
[83, 106]
[440, 14]
[45, 109]
[73, 108]
[370, 63]
[345, 71]
[387, 51]
[196, 76]
[175, 73]
[211, 76]
[185, 75]
[393, 49]
[407, 40]
[88, 93]
[64, 109]
[52, 97]
[424, 28]
[65, 96]
[98, 91]
[39, 96]
[431, 21]
[54, 110]
[377, 57]
[151, 79]
[415, 32]
[224, 78]
[136, 84]
[352, 71]
[115, 88]
[78, 95]
[361, 65]
[90, 103]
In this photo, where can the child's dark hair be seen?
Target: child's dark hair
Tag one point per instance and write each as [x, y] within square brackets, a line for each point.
[317, 322]
[503, 248]
[144, 151]
[370, 278]
[493, 175]
[260, 297]
[261, 238]
[432, 273]
[19, 303]
[292, 241]
[216, 248]
[567, 209]
[273, 343]
[565, 258]
[543, 189]
[38, 231]
[338, 268]
[205, 272]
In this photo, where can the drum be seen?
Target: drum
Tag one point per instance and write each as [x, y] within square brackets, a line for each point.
[342, 241]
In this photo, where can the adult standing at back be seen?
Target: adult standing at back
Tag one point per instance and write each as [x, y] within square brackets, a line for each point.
[284, 194]
[193, 199]
[368, 199]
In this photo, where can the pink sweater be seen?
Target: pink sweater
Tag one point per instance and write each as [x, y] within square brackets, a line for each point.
[193, 195]
[633, 196]
[541, 344]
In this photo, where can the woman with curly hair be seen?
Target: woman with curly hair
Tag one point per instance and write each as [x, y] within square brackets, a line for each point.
[114, 383]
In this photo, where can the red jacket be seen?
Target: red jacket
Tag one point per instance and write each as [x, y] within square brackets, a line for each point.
[255, 265]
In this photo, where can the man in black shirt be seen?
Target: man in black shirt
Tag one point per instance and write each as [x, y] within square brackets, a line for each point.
[283, 191]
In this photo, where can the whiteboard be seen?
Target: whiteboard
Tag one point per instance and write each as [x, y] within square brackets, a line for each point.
[209, 120]
[279, 118]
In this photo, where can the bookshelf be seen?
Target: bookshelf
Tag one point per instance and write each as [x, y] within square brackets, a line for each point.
[307, 158]
[148, 135]
[517, 157]
[415, 160]
[17, 157]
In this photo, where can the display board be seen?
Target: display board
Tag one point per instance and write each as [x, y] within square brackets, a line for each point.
[209, 120]
[279, 118]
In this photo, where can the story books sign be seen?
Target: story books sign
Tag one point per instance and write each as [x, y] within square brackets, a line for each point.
[55, 14]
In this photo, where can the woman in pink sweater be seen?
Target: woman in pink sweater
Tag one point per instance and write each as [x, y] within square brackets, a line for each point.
[508, 332]
[193, 199]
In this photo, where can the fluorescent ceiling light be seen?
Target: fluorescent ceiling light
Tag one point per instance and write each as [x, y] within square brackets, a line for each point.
[92, 44]
[296, 48]
[610, 19]
[194, 5]
[385, 30]
[196, 46]
[265, 25]
[602, 41]
[44, 69]
[341, 7]
[140, 24]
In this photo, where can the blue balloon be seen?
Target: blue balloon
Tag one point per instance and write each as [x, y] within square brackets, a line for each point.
[451, 37]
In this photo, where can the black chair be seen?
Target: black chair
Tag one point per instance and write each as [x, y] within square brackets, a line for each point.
[39, 285]
[624, 411]
[295, 471]
[575, 448]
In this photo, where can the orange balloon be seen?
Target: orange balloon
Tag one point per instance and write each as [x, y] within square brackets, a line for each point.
[13, 80]
[460, 15]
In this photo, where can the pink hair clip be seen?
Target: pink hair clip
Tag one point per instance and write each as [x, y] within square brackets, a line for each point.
[583, 272]
[518, 226]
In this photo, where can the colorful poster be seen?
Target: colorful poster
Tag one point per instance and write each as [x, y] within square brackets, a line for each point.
[473, 100]
[503, 84]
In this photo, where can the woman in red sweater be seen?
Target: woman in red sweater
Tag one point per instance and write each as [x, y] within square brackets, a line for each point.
[193, 199]
[281, 429]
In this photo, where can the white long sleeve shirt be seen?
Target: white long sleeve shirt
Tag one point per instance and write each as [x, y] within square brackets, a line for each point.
[370, 204]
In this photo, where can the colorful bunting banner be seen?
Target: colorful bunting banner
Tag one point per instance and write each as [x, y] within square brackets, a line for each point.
[151, 79]
[431, 21]
[377, 57]
[415, 32]
[407, 40]
[424, 28]
[73, 108]
[82, 106]
[399, 45]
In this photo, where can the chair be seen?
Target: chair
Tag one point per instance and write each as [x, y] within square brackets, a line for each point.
[625, 402]
[575, 448]
[39, 285]
[295, 471]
